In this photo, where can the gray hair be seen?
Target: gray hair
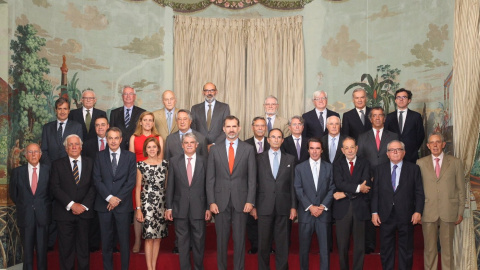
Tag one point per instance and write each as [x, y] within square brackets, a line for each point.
[396, 141]
[298, 117]
[317, 93]
[184, 111]
[71, 136]
[358, 90]
[128, 86]
[436, 134]
[270, 96]
[332, 117]
[189, 135]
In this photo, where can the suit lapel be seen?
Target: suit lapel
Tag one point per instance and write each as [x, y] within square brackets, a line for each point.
[203, 120]
[321, 183]
[445, 165]
[183, 171]
[215, 116]
[223, 155]
[238, 155]
[174, 123]
[402, 178]
[26, 178]
[68, 168]
[122, 117]
[283, 164]
[383, 141]
[163, 119]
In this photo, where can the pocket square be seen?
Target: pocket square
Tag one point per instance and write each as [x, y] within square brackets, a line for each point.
[288, 166]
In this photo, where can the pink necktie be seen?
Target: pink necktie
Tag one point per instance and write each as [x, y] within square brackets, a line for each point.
[189, 171]
[34, 180]
[437, 167]
[102, 145]
[377, 140]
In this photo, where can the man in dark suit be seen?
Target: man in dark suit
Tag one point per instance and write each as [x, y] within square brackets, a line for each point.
[372, 146]
[314, 188]
[332, 142]
[72, 187]
[276, 204]
[295, 144]
[351, 208]
[186, 204]
[126, 117]
[315, 120]
[114, 174]
[87, 115]
[29, 190]
[231, 185]
[407, 124]
[174, 146]
[354, 122]
[397, 205]
[208, 116]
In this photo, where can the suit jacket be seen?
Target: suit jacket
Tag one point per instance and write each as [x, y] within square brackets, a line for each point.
[240, 186]
[173, 146]
[90, 148]
[161, 123]
[289, 147]
[31, 209]
[275, 195]
[352, 124]
[367, 147]
[266, 145]
[52, 149]
[65, 190]
[307, 194]
[199, 123]
[120, 185]
[282, 124]
[444, 196]
[184, 200]
[408, 198]
[117, 119]
[413, 133]
[312, 124]
[348, 183]
[326, 149]
[77, 115]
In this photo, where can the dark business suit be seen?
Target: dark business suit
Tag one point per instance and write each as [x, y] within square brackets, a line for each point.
[352, 212]
[231, 192]
[91, 147]
[199, 121]
[326, 148]
[119, 184]
[188, 204]
[173, 145]
[312, 124]
[275, 198]
[77, 115]
[412, 135]
[352, 124]
[117, 119]
[395, 209]
[308, 195]
[289, 147]
[265, 144]
[52, 148]
[72, 229]
[34, 213]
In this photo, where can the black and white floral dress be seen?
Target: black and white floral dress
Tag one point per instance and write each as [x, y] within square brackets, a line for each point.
[153, 199]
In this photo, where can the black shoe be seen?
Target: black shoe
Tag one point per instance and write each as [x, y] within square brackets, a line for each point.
[272, 251]
[94, 249]
[49, 249]
[253, 250]
[175, 250]
[115, 250]
[368, 250]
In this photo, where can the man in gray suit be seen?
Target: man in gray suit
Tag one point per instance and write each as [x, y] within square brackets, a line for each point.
[208, 116]
[174, 146]
[231, 185]
[186, 204]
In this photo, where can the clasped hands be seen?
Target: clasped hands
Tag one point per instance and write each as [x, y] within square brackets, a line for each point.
[316, 211]
[113, 202]
[77, 209]
[214, 208]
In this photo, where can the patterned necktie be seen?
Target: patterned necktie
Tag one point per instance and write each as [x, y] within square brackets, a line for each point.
[297, 145]
[127, 118]
[102, 145]
[209, 116]
[60, 132]
[169, 122]
[189, 171]
[34, 180]
[76, 176]
[88, 120]
[400, 122]
[269, 124]
[394, 176]
[114, 163]
[437, 167]
[362, 117]
[275, 165]
[377, 140]
[260, 147]
[315, 174]
[351, 167]
[320, 118]
[231, 157]
[332, 150]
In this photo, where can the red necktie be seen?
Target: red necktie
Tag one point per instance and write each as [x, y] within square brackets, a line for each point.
[102, 145]
[231, 157]
[189, 171]
[377, 140]
[351, 167]
[34, 180]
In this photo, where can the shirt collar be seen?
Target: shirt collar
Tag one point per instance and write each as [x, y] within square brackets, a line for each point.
[79, 159]
[64, 121]
[440, 156]
[194, 156]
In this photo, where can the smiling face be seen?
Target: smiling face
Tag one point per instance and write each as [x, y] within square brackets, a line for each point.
[147, 122]
[189, 145]
[436, 145]
[377, 117]
[183, 121]
[152, 149]
[74, 147]
[360, 99]
[320, 101]
[349, 149]
[128, 96]
[62, 111]
[259, 127]
[101, 126]
[114, 140]
[270, 106]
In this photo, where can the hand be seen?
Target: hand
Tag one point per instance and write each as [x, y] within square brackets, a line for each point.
[339, 195]
[416, 218]
[168, 215]
[139, 216]
[376, 220]
[77, 209]
[293, 214]
[208, 215]
[364, 188]
[253, 213]
[214, 208]
[248, 207]
[316, 211]
[459, 220]
[114, 201]
[208, 147]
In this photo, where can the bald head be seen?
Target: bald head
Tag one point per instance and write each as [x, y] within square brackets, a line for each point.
[169, 99]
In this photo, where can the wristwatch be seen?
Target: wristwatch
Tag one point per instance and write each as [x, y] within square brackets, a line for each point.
[138, 208]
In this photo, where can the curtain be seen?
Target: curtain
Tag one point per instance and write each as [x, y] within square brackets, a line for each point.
[466, 125]
[247, 59]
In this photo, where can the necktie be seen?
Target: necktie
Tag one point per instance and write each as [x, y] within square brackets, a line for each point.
[269, 124]
[320, 118]
[209, 116]
[377, 140]
[169, 121]
[189, 171]
[297, 145]
[362, 117]
[114, 163]
[332, 150]
[181, 135]
[315, 174]
[394, 176]
[231, 157]
[76, 176]
[88, 120]
[260, 147]
[400, 122]
[102, 145]
[60, 133]
[351, 167]
[34, 180]
[437, 167]
[127, 118]
[275, 165]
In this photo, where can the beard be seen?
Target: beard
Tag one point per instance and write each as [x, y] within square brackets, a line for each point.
[232, 135]
[210, 98]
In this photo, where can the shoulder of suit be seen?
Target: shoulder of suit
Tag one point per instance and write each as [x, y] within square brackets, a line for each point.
[330, 112]
[138, 108]
[116, 109]
[101, 112]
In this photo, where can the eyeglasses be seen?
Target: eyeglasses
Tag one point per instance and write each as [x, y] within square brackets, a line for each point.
[209, 90]
[270, 104]
[395, 150]
[88, 98]
[296, 125]
[276, 137]
[33, 152]
[401, 97]
[320, 98]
